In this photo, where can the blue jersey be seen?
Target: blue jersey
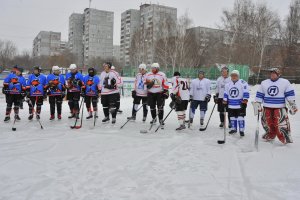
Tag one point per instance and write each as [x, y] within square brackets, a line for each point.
[74, 82]
[36, 84]
[235, 93]
[14, 83]
[91, 85]
[56, 84]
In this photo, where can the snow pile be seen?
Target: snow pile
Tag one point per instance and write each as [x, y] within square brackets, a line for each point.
[106, 163]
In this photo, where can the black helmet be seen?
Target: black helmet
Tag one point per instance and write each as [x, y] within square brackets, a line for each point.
[176, 73]
[37, 68]
[91, 71]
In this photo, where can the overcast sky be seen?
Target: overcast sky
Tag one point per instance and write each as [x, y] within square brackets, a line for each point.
[21, 20]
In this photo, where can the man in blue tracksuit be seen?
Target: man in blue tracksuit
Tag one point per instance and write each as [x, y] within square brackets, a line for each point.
[14, 89]
[56, 91]
[35, 89]
[91, 92]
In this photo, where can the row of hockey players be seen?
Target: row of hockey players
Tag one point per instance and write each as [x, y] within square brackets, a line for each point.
[272, 99]
[151, 88]
[55, 85]
[232, 95]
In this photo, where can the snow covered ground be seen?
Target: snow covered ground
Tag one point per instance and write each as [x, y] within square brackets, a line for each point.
[107, 163]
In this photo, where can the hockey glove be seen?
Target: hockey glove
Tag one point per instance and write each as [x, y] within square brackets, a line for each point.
[292, 107]
[133, 93]
[216, 98]
[207, 98]
[23, 93]
[150, 84]
[173, 97]
[257, 107]
[172, 105]
[5, 90]
[165, 94]
[244, 104]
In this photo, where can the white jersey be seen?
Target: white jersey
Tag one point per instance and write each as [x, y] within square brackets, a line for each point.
[160, 82]
[235, 93]
[105, 78]
[139, 85]
[200, 89]
[221, 82]
[274, 94]
[180, 87]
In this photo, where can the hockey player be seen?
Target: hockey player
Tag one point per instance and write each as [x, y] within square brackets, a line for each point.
[91, 92]
[14, 89]
[56, 91]
[158, 92]
[74, 85]
[218, 98]
[236, 97]
[36, 89]
[180, 98]
[139, 93]
[118, 104]
[200, 96]
[274, 94]
[109, 82]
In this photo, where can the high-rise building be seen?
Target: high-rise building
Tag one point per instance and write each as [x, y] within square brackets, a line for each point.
[47, 43]
[149, 22]
[98, 34]
[116, 53]
[130, 24]
[91, 35]
[75, 43]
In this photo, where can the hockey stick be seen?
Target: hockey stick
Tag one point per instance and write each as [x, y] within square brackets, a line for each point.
[203, 129]
[29, 102]
[164, 120]
[146, 131]
[257, 133]
[224, 127]
[130, 119]
[189, 123]
[80, 107]
[13, 126]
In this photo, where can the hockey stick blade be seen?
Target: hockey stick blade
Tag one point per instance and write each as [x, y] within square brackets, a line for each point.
[143, 131]
[14, 129]
[221, 141]
[75, 127]
[202, 129]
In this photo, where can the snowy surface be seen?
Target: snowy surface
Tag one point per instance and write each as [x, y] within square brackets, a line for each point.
[107, 163]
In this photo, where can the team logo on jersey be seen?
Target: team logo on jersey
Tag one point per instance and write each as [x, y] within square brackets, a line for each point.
[273, 91]
[90, 82]
[156, 82]
[141, 84]
[234, 92]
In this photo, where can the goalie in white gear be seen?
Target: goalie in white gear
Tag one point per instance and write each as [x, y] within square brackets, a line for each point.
[139, 93]
[180, 98]
[274, 94]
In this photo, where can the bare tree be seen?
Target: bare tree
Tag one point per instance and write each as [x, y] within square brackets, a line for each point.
[7, 52]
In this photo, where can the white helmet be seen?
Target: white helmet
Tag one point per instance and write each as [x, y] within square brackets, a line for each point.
[113, 67]
[55, 68]
[235, 72]
[155, 65]
[143, 66]
[73, 66]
